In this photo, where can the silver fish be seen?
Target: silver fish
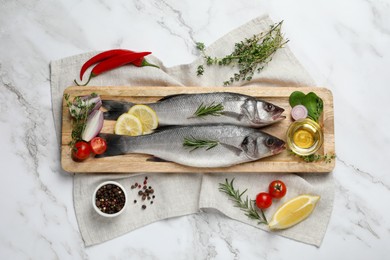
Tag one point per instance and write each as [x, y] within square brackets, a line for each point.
[198, 146]
[181, 109]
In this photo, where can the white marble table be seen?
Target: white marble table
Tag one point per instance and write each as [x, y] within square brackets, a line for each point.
[343, 44]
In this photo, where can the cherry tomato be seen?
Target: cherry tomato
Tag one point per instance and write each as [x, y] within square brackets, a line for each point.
[263, 200]
[81, 151]
[98, 145]
[277, 189]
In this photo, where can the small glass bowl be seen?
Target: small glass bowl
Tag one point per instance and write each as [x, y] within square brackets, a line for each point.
[94, 199]
[310, 126]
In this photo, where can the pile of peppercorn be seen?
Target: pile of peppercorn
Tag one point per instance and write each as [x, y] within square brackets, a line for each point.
[146, 193]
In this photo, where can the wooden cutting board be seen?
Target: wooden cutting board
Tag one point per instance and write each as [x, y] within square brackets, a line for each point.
[283, 162]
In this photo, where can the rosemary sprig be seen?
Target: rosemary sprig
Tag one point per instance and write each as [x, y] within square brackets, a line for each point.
[194, 143]
[327, 158]
[245, 205]
[210, 110]
[251, 55]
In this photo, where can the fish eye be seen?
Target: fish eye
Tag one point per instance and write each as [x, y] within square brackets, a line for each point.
[269, 141]
[269, 107]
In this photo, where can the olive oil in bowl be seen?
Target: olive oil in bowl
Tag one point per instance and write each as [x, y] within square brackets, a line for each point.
[304, 137]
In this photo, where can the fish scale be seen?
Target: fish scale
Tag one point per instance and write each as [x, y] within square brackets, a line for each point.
[235, 145]
[238, 109]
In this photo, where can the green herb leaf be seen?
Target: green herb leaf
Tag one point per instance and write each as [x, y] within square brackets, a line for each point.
[296, 98]
[327, 158]
[194, 143]
[200, 70]
[246, 205]
[210, 110]
[200, 46]
[251, 55]
[314, 105]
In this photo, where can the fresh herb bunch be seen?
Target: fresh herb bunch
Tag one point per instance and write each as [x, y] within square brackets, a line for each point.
[210, 110]
[245, 205]
[194, 143]
[250, 55]
[79, 110]
[327, 158]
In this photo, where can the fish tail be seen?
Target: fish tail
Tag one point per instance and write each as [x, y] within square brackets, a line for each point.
[115, 108]
[116, 145]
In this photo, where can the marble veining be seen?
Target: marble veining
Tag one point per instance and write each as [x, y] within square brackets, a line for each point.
[343, 45]
[365, 174]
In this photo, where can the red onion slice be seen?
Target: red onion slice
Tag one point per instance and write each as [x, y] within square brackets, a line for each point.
[299, 112]
[93, 126]
[89, 100]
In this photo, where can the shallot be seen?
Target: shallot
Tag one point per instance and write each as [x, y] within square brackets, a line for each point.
[93, 126]
[299, 112]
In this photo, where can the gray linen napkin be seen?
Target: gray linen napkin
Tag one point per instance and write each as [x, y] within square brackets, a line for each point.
[181, 194]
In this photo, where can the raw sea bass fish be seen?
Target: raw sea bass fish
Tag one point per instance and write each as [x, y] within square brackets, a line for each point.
[223, 108]
[198, 146]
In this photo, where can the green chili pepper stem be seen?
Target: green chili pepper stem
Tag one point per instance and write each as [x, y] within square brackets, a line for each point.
[90, 77]
[146, 63]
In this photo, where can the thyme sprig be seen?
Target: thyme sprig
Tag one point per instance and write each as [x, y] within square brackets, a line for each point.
[194, 143]
[79, 110]
[210, 110]
[245, 205]
[327, 158]
[251, 55]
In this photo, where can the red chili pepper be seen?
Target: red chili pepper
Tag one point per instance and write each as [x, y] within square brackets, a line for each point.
[109, 54]
[115, 62]
[100, 57]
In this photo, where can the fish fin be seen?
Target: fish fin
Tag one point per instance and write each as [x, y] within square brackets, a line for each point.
[115, 145]
[233, 115]
[115, 108]
[171, 96]
[235, 150]
[156, 159]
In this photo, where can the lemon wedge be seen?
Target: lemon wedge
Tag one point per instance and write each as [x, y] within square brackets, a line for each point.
[146, 115]
[293, 211]
[128, 125]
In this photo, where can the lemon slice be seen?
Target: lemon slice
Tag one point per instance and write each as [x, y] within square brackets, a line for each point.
[293, 211]
[147, 116]
[128, 125]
